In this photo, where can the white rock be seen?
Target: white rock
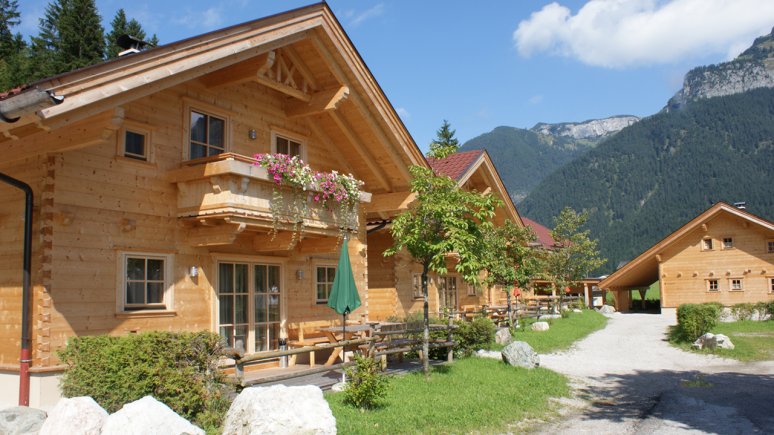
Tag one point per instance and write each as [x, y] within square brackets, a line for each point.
[481, 353]
[575, 310]
[607, 309]
[722, 341]
[76, 416]
[279, 409]
[148, 416]
[540, 326]
[520, 354]
[503, 336]
[338, 387]
[550, 316]
[704, 340]
[21, 420]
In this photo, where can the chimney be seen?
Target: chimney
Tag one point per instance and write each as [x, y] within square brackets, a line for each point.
[130, 44]
[740, 205]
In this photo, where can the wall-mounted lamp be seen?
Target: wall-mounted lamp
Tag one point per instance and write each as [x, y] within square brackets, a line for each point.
[300, 274]
[194, 271]
[252, 134]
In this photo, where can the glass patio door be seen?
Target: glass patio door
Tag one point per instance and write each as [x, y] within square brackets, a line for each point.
[249, 305]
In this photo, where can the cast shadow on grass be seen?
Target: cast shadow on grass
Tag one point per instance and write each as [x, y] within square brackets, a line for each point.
[733, 401]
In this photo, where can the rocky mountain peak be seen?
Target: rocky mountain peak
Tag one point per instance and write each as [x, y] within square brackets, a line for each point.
[593, 129]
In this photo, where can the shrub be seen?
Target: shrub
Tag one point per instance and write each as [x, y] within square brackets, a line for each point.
[743, 311]
[179, 369]
[693, 320]
[471, 336]
[367, 384]
[765, 309]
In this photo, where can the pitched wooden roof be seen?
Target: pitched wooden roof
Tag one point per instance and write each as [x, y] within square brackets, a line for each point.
[365, 120]
[543, 234]
[643, 270]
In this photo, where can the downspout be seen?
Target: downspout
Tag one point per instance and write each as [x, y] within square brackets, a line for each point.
[24, 354]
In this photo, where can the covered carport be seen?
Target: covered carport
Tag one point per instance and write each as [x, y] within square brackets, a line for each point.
[636, 275]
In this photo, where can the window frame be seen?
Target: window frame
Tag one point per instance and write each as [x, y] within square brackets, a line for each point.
[471, 290]
[770, 283]
[416, 286]
[300, 140]
[770, 246]
[709, 283]
[139, 128]
[326, 266]
[707, 244]
[210, 110]
[731, 284]
[730, 244]
[167, 304]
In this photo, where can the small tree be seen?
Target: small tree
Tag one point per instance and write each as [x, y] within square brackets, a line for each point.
[443, 220]
[510, 258]
[575, 254]
[444, 143]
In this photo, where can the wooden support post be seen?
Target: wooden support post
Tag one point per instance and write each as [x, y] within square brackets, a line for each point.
[449, 338]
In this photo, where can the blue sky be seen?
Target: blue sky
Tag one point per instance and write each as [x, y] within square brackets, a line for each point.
[485, 64]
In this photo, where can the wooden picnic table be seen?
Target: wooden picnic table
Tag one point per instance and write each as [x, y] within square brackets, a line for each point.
[335, 334]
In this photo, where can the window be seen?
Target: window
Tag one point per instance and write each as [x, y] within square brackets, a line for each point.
[207, 134]
[471, 290]
[145, 281]
[324, 282]
[770, 246]
[249, 305]
[706, 244]
[712, 285]
[728, 243]
[771, 285]
[735, 284]
[135, 145]
[416, 286]
[286, 145]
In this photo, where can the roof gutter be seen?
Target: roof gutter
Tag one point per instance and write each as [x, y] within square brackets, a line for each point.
[13, 108]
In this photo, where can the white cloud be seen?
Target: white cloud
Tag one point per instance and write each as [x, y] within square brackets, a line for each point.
[204, 20]
[536, 99]
[625, 33]
[358, 19]
[403, 113]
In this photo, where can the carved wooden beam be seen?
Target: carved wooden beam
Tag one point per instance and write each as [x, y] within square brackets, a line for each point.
[320, 102]
[389, 203]
[217, 235]
[357, 143]
[320, 245]
[241, 72]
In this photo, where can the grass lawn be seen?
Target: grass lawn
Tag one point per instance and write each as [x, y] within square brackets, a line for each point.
[563, 332]
[472, 394]
[753, 341]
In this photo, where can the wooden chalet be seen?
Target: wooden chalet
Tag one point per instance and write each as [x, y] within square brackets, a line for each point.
[395, 281]
[724, 255]
[149, 210]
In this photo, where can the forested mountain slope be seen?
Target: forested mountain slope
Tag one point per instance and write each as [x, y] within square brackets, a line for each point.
[652, 177]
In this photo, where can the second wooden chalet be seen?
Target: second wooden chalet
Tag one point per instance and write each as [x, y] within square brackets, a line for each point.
[395, 282]
[149, 210]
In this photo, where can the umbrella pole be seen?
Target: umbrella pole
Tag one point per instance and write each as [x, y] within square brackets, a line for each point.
[344, 348]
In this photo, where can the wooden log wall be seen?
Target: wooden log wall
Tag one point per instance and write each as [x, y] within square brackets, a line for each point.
[686, 266]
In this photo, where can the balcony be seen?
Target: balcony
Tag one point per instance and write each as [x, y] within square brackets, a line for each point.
[222, 196]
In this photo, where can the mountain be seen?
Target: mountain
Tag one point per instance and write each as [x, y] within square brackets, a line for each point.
[752, 69]
[594, 129]
[524, 157]
[650, 178]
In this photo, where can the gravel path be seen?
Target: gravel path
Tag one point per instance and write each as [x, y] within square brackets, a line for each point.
[629, 380]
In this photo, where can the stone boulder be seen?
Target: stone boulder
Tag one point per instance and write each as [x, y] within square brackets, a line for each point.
[503, 336]
[21, 420]
[576, 310]
[493, 354]
[148, 416]
[279, 409]
[607, 309]
[713, 341]
[540, 326]
[520, 354]
[550, 316]
[76, 416]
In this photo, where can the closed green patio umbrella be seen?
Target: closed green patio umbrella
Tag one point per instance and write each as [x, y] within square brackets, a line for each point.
[344, 298]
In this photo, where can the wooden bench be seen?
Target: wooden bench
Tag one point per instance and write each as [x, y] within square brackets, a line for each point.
[304, 339]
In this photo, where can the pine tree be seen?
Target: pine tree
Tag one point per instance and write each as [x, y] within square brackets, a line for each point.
[9, 17]
[135, 29]
[445, 143]
[81, 34]
[153, 41]
[118, 28]
[45, 47]
[13, 53]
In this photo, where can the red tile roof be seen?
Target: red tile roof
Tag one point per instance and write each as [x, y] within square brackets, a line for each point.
[543, 234]
[455, 165]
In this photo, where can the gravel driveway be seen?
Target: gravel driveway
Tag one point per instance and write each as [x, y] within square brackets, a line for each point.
[629, 380]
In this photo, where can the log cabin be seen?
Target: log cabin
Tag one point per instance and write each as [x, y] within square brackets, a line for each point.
[724, 255]
[395, 281]
[150, 212]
